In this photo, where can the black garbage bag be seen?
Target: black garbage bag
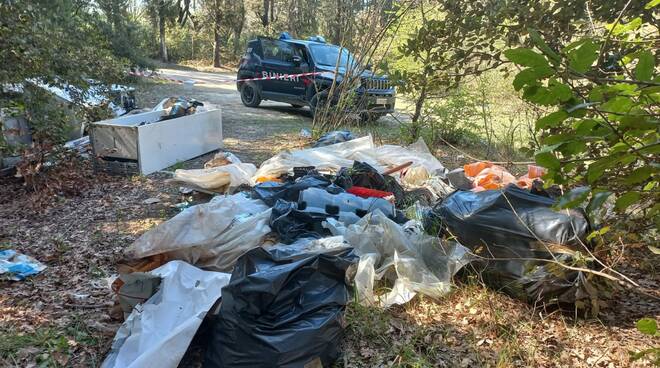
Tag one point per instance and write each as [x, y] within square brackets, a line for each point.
[516, 231]
[270, 192]
[291, 224]
[282, 312]
[333, 137]
[364, 175]
[181, 106]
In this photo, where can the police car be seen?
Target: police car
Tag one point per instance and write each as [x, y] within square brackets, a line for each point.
[300, 73]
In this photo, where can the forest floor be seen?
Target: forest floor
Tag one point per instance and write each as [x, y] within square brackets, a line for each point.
[61, 317]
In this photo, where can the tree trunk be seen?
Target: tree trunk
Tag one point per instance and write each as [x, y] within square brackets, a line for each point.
[264, 17]
[217, 39]
[415, 126]
[216, 48]
[419, 103]
[161, 31]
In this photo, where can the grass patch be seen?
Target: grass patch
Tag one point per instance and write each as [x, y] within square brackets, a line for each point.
[46, 346]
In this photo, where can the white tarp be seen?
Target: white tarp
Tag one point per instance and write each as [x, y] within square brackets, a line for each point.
[414, 261]
[219, 177]
[210, 235]
[158, 332]
[335, 156]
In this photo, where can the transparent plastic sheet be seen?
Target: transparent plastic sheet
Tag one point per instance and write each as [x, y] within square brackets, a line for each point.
[330, 158]
[227, 177]
[211, 235]
[414, 261]
[157, 333]
[424, 164]
[336, 156]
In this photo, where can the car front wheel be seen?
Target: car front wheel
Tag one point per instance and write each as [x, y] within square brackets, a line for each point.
[250, 96]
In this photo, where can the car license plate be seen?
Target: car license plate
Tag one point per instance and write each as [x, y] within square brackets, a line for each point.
[381, 101]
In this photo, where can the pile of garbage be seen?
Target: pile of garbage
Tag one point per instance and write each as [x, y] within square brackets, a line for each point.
[269, 266]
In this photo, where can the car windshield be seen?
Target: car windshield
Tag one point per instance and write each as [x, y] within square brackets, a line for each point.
[327, 55]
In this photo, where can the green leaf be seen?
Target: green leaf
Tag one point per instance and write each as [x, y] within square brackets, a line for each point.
[597, 168]
[574, 197]
[526, 57]
[619, 104]
[551, 120]
[645, 65]
[540, 43]
[626, 200]
[580, 59]
[625, 27]
[530, 76]
[584, 127]
[597, 200]
[651, 4]
[548, 160]
[560, 91]
[647, 326]
[572, 148]
[639, 175]
[600, 231]
[654, 250]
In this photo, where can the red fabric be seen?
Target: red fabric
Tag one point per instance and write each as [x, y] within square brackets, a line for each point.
[367, 192]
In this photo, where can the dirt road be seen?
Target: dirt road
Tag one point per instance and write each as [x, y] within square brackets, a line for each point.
[254, 134]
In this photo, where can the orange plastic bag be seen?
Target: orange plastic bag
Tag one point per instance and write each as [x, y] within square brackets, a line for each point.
[475, 168]
[263, 179]
[525, 182]
[494, 177]
[534, 171]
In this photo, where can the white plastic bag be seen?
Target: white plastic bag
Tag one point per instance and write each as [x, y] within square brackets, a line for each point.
[220, 177]
[210, 235]
[157, 333]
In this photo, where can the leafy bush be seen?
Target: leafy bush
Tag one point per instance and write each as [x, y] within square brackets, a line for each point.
[603, 135]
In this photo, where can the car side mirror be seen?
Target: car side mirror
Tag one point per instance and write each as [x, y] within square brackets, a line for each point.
[296, 60]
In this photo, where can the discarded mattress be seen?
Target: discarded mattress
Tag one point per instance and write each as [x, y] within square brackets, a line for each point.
[211, 235]
[158, 332]
[412, 260]
[514, 231]
[282, 312]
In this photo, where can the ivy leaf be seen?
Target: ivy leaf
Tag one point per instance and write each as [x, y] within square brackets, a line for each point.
[645, 65]
[626, 200]
[548, 160]
[647, 326]
[526, 57]
[580, 59]
[551, 120]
